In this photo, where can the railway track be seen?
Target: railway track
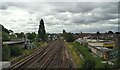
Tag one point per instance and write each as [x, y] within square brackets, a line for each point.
[27, 61]
[54, 55]
[55, 63]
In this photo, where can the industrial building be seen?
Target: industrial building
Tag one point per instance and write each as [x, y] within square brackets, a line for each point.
[110, 44]
[100, 51]
[98, 47]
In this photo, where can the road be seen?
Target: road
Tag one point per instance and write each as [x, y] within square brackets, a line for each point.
[54, 55]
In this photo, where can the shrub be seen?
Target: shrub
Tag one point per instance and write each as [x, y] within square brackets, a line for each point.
[100, 65]
[5, 53]
[16, 50]
[89, 63]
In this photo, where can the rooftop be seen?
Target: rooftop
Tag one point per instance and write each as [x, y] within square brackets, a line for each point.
[95, 44]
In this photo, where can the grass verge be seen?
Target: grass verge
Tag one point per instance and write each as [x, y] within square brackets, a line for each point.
[74, 54]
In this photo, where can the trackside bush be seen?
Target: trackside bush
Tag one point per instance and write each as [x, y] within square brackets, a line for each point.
[16, 50]
[5, 53]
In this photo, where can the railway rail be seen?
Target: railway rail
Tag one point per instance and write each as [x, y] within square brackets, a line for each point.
[54, 55]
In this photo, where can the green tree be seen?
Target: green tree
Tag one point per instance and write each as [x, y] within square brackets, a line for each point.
[4, 29]
[20, 35]
[12, 36]
[117, 32]
[5, 36]
[10, 31]
[41, 31]
[98, 33]
[31, 36]
[5, 53]
[69, 37]
[110, 32]
[5, 33]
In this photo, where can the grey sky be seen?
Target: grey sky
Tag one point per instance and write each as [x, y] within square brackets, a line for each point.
[71, 16]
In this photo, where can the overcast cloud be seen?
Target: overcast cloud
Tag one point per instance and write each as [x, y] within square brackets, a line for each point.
[73, 17]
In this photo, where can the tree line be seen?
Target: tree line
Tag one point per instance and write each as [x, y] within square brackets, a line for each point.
[8, 35]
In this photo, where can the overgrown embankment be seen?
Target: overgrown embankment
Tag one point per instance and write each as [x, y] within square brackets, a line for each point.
[83, 57]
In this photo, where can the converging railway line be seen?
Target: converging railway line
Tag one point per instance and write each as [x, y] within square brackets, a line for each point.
[54, 55]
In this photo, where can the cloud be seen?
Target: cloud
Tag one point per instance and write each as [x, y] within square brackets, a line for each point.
[74, 17]
[3, 6]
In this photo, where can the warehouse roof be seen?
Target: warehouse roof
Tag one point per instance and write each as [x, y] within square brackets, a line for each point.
[95, 44]
[103, 49]
[111, 42]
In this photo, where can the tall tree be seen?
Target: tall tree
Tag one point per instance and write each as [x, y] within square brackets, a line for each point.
[64, 31]
[41, 31]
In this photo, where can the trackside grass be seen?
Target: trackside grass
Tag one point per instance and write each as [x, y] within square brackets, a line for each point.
[74, 54]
